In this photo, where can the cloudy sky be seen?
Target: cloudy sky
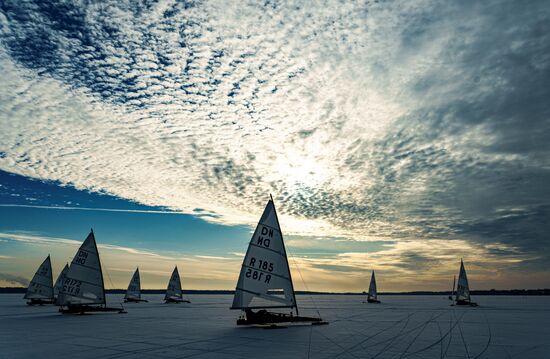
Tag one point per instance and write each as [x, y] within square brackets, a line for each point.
[394, 135]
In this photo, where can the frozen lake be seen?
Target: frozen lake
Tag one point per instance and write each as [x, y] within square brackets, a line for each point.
[400, 327]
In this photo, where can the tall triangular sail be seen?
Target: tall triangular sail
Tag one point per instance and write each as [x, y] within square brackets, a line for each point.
[265, 271]
[134, 288]
[41, 286]
[462, 287]
[59, 282]
[84, 281]
[372, 287]
[173, 291]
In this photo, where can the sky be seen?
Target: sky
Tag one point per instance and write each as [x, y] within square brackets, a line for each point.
[394, 136]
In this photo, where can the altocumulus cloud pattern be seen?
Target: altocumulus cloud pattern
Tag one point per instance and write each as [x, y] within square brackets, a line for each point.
[384, 119]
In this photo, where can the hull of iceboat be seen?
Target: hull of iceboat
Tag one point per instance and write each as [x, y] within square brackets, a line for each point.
[263, 317]
[373, 301]
[176, 300]
[82, 309]
[135, 300]
[40, 301]
[466, 303]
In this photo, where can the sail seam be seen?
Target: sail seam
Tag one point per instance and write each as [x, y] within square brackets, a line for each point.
[267, 249]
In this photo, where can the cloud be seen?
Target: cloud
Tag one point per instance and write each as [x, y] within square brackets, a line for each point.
[90, 209]
[386, 120]
[10, 280]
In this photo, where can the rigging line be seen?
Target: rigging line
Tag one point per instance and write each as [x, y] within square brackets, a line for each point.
[110, 281]
[304, 282]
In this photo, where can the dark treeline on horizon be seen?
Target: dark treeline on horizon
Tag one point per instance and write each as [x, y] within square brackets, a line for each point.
[545, 291]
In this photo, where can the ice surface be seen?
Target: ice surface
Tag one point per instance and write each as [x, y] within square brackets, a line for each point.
[400, 327]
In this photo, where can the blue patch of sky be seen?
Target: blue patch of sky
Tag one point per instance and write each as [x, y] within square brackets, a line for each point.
[163, 232]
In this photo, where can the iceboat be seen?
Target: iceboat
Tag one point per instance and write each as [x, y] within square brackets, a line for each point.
[462, 294]
[174, 293]
[40, 290]
[372, 295]
[265, 283]
[133, 293]
[83, 289]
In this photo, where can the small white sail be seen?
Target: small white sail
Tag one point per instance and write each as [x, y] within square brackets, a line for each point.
[41, 286]
[84, 281]
[173, 291]
[59, 282]
[134, 288]
[265, 272]
[372, 287]
[462, 288]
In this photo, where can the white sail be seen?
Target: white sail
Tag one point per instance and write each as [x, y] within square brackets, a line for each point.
[173, 291]
[462, 288]
[59, 282]
[84, 281]
[41, 286]
[134, 288]
[265, 272]
[372, 287]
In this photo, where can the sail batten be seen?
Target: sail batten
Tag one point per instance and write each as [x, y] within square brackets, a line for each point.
[83, 283]
[41, 285]
[265, 267]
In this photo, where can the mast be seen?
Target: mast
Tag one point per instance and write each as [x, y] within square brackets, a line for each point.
[286, 257]
[100, 269]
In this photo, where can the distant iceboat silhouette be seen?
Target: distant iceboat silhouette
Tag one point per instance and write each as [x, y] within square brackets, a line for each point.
[40, 290]
[265, 281]
[133, 293]
[83, 288]
[463, 289]
[173, 291]
[372, 295]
